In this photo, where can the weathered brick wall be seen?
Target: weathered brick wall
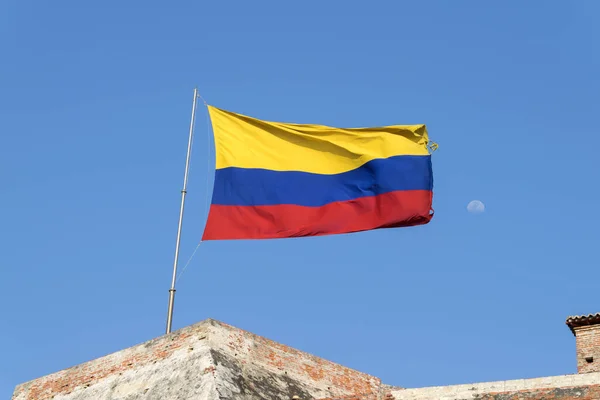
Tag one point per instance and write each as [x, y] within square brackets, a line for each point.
[565, 393]
[206, 361]
[288, 372]
[358, 397]
[563, 387]
[588, 345]
[153, 370]
[381, 396]
[212, 360]
[569, 393]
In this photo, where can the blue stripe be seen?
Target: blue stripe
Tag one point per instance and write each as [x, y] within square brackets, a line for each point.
[257, 187]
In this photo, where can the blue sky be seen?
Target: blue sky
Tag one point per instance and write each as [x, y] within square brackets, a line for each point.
[94, 110]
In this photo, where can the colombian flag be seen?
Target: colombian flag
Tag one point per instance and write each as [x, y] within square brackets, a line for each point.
[280, 180]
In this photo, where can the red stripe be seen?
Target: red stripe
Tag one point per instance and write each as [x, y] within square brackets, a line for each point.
[393, 209]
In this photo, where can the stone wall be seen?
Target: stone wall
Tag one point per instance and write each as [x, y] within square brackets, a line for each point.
[563, 387]
[209, 360]
[215, 361]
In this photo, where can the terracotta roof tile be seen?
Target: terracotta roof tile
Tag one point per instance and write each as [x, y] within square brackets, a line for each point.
[576, 321]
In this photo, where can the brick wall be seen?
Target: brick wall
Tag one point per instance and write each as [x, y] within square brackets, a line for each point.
[588, 345]
[212, 360]
[459, 392]
[146, 370]
[206, 361]
[562, 387]
[566, 393]
[357, 397]
[270, 370]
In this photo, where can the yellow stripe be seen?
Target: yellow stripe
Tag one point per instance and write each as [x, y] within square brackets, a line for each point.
[247, 142]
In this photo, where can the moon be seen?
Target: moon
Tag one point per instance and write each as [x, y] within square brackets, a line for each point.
[475, 207]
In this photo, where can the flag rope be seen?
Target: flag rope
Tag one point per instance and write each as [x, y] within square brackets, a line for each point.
[188, 262]
[207, 203]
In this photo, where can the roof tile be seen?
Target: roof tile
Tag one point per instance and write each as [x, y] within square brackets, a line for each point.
[577, 321]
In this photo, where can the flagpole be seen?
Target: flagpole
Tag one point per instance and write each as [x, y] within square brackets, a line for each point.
[183, 193]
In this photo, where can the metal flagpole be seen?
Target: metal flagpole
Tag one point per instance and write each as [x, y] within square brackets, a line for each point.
[183, 193]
